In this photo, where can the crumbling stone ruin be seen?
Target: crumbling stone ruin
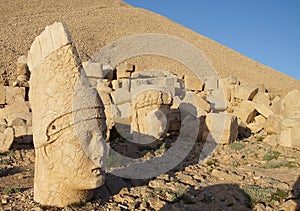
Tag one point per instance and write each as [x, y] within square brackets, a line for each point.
[71, 110]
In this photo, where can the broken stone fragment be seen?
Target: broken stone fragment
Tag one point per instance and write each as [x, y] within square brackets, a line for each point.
[96, 71]
[14, 94]
[150, 108]
[199, 102]
[25, 116]
[222, 127]
[245, 92]
[211, 84]
[276, 105]
[217, 100]
[2, 95]
[124, 70]
[272, 125]
[6, 139]
[121, 96]
[255, 127]
[245, 111]
[193, 83]
[22, 68]
[290, 106]
[2, 127]
[18, 106]
[263, 109]
[290, 133]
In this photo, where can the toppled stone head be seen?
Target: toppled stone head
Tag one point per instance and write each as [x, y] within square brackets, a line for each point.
[68, 122]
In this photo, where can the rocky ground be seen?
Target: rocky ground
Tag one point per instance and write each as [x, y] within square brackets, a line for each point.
[244, 175]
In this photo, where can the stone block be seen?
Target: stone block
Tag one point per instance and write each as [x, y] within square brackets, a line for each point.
[290, 107]
[243, 130]
[108, 72]
[103, 85]
[96, 70]
[193, 83]
[6, 139]
[276, 105]
[245, 92]
[272, 125]
[124, 70]
[255, 127]
[2, 95]
[211, 84]
[217, 100]
[125, 84]
[22, 131]
[227, 85]
[105, 97]
[115, 84]
[14, 93]
[23, 116]
[290, 133]
[260, 119]
[245, 111]
[3, 121]
[263, 109]
[138, 82]
[174, 120]
[19, 106]
[222, 127]
[2, 127]
[18, 122]
[124, 110]
[121, 96]
[22, 68]
[262, 98]
[200, 103]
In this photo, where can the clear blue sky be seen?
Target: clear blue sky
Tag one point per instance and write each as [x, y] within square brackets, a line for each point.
[267, 31]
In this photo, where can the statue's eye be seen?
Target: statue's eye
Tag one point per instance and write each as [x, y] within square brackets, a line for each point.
[53, 127]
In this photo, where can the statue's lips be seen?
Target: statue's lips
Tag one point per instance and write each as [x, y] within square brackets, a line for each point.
[97, 172]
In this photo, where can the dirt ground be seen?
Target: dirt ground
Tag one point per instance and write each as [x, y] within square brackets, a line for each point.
[245, 175]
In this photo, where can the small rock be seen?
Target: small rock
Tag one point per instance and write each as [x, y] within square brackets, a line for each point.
[291, 205]
[67, 209]
[157, 204]
[36, 209]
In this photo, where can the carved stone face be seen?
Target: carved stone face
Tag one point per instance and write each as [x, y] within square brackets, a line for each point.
[68, 122]
[71, 165]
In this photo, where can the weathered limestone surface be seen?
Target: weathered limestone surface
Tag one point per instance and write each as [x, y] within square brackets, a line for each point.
[245, 92]
[68, 122]
[245, 111]
[14, 94]
[6, 139]
[272, 125]
[124, 70]
[149, 115]
[2, 95]
[290, 107]
[201, 105]
[193, 83]
[223, 127]
[290, 133]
